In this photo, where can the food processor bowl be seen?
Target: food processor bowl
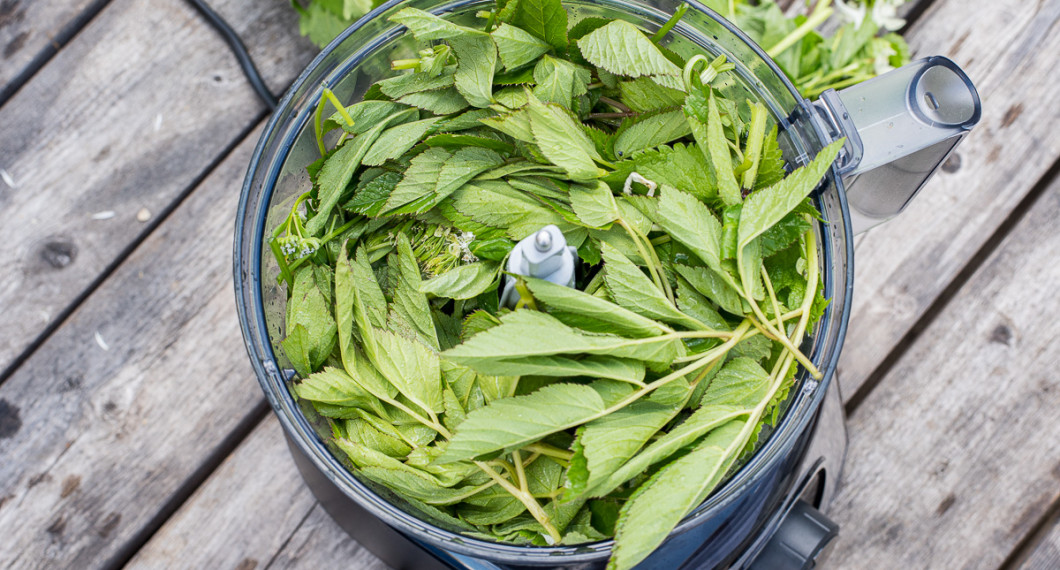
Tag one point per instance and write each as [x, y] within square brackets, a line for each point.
[725, 529]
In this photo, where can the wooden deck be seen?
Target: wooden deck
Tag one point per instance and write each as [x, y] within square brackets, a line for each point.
[132, 430]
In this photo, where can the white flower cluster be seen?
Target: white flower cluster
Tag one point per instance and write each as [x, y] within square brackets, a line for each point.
[297, 247]
[883, 12]
[460, 246]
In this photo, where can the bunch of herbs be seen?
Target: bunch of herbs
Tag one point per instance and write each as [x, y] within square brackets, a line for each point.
[613, 408]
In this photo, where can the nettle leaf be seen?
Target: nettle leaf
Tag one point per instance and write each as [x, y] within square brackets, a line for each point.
[345, 292]
[589, 312]
[452, 141]
[702, 421]
[339, 168]
[691, 223]
[783, 233]
[366, 115]
[741, 383]
[526, 333]
[496, 204]
[610, 441]
[435, 174]
[515, 124]
[438, 101]
[560, 81]
[370, 198]
[718, 287]
[466, 120]
[404, 84]
[630, 288]
[335, 387]
[621, 48]
[771, 165]
[510, 423]
[545, 19]
[651, 130]
[681, 166]
[697, 306]
[750, 267]
[643, 95]
[409, 366]
[516, 46]
[396, 141]
[476, 57]
[658, 505]
[409, 303]
[720, 158]
[426, 26]
[766, 207]
[463, 281]
[562, 141]
[310, 309]
[594, 205]
[605, 367]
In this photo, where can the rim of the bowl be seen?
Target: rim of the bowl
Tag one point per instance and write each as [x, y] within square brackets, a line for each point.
[250, 308]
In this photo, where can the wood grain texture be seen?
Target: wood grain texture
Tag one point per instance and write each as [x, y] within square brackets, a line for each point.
[30, 31]
[124, 119]
[242, 516]
[955, 457]
[320, 543]
[1008, 47]
[1046, 553]
[125, 402]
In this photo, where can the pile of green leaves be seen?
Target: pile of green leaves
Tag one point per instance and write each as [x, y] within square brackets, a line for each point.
[610, 409]
[814, 61]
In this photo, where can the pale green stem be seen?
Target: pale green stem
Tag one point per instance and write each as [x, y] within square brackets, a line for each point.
[526, 499]
[820, 13]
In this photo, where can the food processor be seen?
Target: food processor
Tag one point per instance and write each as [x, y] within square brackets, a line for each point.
[899, 128]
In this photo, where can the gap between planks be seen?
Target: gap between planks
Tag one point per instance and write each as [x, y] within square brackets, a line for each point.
[1039, 535]
[950, 292]
[58, 41]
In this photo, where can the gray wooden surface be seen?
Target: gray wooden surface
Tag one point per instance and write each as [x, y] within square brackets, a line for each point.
[132, 431]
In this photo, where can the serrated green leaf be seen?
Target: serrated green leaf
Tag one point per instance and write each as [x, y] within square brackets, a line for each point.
[345, 292]
[681, 166]
[766, 207]
[741, 383]
[716, 144]
[368, 434]
[605, 367]
[463, 281]
[562, 141]
[407, 83]
[496, 204]
[630, 288]
[588, 312]
[712, 285]
[658, 505]
[335, 387]
[409, 302]
[439, 101]
[396, 141]
[510, 423]
[452, 141]
[476, 57]
[370, 199]
[594, 205]
[296, 346]
[309, 308]
[526, 333]
[651, 130]
[366, 115]
[545, 19]
[515, 124]
[691, 223]
[560, 81]
[426, 26]
[516, 46]
[435, 174]
[621, 48]
[642, 95]
[409, 366]
[697, 306]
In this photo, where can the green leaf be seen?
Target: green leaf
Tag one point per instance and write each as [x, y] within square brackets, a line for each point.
[545, 19]
[516, 46]
[511, 423]
[345, 292]
[691, 223]
[335, 387]
[409, 366]
[366, 115]
[697, 306]
[370, 199]
[319, 24]
[451, 141]
[496, 204]
[766, 207]
[435, 174]
[642, 95]
[681, 166]
[605, 367]
[589, 312]
[426, 26]
[369, 435]
[741, 383]
[562, 141]
[621, 48]
[396, 141]
[630, 288]
[720, 158]
[560, 81]
[721, 290]
[409, 302]
[476, 57]
[783, 233]
[367, 289]
[594, 205]
[407, 83]
[296, 347]
[463, 281]
[651, 130]
[339, 168]
[309, 308]
[527, 333]
[658, 505]
[515, 124]
[439, 101]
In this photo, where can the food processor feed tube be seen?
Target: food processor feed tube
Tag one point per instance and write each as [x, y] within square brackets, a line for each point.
[900, 127]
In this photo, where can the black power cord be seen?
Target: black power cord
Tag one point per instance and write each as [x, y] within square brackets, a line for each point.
[240, 51]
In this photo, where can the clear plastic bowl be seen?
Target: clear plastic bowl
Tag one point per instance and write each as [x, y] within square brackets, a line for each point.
[277, 175]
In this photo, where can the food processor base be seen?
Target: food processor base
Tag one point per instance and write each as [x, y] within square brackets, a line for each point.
[796, 536]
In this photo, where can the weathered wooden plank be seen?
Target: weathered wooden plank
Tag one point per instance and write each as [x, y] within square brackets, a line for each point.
[1046, 554]
[320, 543]
[112, 131]
[111, 416]
[243, 515]
[954, 458]
[31, 30]
[1007, 47]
